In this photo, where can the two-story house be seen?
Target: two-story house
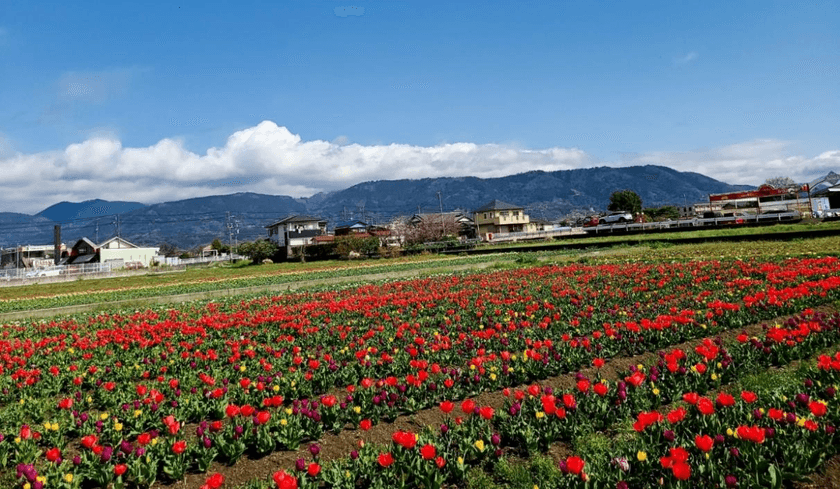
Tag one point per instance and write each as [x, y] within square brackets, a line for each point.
[501, 217]
[296, 230]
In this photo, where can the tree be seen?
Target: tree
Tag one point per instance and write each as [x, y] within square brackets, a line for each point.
[434, 228]
[167, 249]
[364, 246]
[218, 246]
[780, 182]
[625, 200]
[664, 213]
[258, 250]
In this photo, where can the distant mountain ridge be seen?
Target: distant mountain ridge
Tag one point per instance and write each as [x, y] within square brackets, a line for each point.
[192, 222]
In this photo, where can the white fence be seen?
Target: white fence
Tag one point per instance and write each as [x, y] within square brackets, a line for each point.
[67, 273]
[62, 273]
[175, 261]
[535, 235]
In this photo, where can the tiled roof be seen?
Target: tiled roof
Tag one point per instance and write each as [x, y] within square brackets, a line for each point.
[498, 205]
[296, 218]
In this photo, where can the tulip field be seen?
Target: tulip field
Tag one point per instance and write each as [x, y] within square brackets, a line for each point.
[441, 382]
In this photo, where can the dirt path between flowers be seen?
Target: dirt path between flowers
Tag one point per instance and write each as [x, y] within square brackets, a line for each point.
[338, 446]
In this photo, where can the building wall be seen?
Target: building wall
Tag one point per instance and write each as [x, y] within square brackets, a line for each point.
[299, 233]
[503, 221]
[143, 255]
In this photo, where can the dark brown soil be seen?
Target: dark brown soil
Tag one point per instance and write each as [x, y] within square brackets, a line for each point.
[337, 446]
[828, 479]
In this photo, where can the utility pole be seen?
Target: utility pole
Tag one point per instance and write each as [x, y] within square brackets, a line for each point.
[230, 237]
[442, 223]
[57, 244]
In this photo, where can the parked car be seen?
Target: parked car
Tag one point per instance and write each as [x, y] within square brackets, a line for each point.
[54, 272]
[621, 216]
[591, 221]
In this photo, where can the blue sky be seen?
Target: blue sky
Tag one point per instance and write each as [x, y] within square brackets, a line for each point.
[155, 101]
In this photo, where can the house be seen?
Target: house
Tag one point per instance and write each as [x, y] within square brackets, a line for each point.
[497, 217]
[296, 230]
[347, 228]
[825, 194]
[360, 229]
[117, 252]
[29, 256]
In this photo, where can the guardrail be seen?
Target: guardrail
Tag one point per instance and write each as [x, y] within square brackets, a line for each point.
[522, 236]
[697, 223]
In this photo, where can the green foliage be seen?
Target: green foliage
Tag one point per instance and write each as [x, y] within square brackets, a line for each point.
[539, 471]
[258, 250]
[625, 200]
[364, 246]
[664, 213]
[770, 381]
[527, 259]
[658, 245]
[218, 246]
[478, 479]
[515, 474]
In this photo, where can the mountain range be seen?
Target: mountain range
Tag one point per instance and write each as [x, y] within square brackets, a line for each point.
[243, 216]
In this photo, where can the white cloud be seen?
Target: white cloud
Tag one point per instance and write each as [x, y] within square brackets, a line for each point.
[686, 59]
[266, 158]
[747, 163]
[270, 159]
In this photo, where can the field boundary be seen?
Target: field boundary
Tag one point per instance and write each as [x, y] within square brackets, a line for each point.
[235, 291]
[651, 237]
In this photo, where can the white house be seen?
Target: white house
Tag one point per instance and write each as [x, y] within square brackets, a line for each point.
[117, 251]
[298, 230]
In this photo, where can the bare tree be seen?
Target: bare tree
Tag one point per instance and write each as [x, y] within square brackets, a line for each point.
[780, 182]
[431, 228]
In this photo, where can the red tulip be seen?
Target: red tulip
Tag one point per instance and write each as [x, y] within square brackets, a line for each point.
[385, 459]
[284, 480]
[53, 454]
[329, 401]
[817, 408]
[263, 417]
[704, 442]
[575, 465]
[179, 447]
